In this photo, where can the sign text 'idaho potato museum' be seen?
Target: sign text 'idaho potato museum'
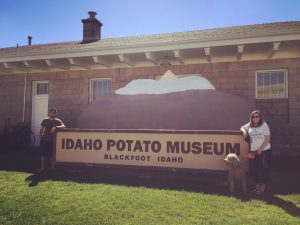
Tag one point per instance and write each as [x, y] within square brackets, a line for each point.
[155, 148]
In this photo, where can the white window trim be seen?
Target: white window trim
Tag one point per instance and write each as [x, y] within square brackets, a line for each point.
[91, 87]
[34, 87]
[286, 84]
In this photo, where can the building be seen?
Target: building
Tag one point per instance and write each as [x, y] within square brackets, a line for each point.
[259, 62]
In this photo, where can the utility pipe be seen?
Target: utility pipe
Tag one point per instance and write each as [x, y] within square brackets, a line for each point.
[24, 97]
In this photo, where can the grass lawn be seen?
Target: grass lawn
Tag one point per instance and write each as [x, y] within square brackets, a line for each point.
[115, 196]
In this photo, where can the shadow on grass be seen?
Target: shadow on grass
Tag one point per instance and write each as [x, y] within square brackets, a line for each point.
[285, 179]
[288, 206]
[159, 179]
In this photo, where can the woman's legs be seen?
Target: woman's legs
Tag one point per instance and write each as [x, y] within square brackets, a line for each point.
[260, 169]
[254, 172]
[265, 169]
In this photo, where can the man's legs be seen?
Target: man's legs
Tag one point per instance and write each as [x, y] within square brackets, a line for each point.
[52, 162]
[43, 149]
[43, 160]
[47, 155]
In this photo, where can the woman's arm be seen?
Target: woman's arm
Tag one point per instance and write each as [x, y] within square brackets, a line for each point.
[245, 129]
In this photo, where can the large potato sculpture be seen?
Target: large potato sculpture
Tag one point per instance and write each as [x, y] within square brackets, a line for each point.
[189, 103]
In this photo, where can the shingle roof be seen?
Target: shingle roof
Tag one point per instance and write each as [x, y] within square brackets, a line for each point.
[218, 34]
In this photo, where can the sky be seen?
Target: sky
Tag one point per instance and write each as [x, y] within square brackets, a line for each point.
[52, 21]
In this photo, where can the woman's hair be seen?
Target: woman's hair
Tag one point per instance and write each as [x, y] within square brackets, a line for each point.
[261, 119]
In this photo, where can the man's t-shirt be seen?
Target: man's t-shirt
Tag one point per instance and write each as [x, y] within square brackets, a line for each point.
[48, 124]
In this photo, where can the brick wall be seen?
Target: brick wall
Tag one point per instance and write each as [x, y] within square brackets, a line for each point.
[69, 92]
[11, 99]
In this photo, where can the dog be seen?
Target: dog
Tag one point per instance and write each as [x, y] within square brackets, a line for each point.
[236, 173]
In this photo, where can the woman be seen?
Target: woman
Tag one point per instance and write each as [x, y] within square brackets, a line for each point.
[260, 147]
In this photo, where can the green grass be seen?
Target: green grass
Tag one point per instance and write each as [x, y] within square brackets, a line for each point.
[70, 202]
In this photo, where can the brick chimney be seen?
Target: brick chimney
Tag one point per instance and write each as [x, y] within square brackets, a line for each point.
[91, 28]
[29, 40]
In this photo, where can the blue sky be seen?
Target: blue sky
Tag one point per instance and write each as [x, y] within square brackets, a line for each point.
[50, 21]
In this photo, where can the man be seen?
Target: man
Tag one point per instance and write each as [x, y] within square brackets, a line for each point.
[47, 131]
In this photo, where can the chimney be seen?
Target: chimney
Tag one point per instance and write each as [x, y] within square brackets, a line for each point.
[29, 40]
[91, 28]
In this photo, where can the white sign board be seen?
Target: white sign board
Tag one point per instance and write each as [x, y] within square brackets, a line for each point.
[203, 150]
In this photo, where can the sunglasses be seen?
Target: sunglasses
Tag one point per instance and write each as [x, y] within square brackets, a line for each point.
[254, 116]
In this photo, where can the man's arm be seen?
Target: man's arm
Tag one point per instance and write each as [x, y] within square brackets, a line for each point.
[62, 125]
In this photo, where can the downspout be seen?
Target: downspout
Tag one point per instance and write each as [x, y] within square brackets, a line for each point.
[24, 97]
[25, 85]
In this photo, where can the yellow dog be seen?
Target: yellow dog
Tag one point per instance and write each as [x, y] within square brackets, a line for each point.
[236, 173]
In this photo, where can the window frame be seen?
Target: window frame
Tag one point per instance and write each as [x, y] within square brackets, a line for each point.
[285, 73]
[91, 87]
[36, 88]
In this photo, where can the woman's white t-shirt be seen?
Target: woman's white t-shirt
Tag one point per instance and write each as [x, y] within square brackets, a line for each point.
[257, 136]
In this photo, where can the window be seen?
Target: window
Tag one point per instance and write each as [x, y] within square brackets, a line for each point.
[99, 88]
[41, 88]
[271, 84]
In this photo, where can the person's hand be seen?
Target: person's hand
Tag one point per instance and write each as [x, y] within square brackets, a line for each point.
[250, 155]
[259, 151]
[245, 133]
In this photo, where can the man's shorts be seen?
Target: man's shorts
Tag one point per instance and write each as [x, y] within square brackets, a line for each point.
[46, 148]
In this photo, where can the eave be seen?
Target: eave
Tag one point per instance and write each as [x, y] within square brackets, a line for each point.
[144, 55]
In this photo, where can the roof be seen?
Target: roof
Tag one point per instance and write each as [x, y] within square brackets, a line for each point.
[219, 34]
